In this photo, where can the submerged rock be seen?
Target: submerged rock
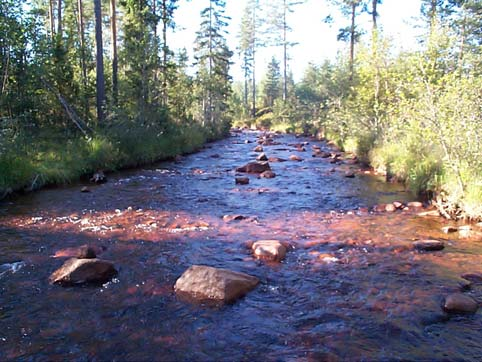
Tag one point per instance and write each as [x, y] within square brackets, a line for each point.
[242, 180]
[235, 217]
[429, 245]
[267, 174]
[254, 167]
[276, 159]
[82, 271]
[271, 250]
[295, 158]
[460, 303]
[473, 277]
[203, 282]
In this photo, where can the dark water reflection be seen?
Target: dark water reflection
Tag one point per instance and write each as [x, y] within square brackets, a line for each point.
[352, 288]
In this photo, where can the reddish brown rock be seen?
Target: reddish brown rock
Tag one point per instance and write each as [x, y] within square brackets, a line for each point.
[429, 245]
[241, 180]
[295, 158]
[276, 159]
[460, 303]
[207, 283]
[82, 271]
[271, 250]
[267, 174]
[258, 148]
[262, 157]
[254, 167]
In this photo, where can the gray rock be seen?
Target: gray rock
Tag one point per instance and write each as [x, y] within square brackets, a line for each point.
[202, 282]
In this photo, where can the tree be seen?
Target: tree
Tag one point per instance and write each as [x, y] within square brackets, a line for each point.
[278, 29]
[167, 9]
[249, 42]
[113, 41]
[272, 83]
[350, 33]
[212, 57]
[100, 81]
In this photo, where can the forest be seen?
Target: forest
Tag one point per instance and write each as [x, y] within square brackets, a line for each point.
[89, 86]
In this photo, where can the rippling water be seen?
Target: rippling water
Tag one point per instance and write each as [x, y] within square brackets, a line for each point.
[351, 287]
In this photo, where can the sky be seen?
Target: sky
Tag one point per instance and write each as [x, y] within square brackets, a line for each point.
[316, 40]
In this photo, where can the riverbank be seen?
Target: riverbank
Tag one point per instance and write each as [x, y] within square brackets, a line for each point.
[35, 159]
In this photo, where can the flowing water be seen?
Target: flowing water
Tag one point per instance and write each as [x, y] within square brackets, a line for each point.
[351, 287]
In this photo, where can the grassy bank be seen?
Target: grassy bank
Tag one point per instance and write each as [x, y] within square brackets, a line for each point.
[47, 156]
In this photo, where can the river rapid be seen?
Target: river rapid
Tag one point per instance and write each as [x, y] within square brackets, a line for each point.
[352, 287]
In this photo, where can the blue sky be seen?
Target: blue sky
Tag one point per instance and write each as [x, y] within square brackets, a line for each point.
[316, 40]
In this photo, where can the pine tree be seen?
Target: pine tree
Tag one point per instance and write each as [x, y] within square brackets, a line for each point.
[272, 83]
[212, 57]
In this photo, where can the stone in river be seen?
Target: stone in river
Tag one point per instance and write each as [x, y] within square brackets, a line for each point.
[235, 217]
[349, 174]
[276, 159]
[271, 250]
[390, 208]
[203, 282]
[242, 180]
[98, 177]
[262, 157]
[267, 174]
[415, 204]
[429, 245]
[473, 277]
[398, 205]
[258, 148]
[449, 229]
[295, 158]
[86, 252]
[460, 303]
[82, 271]
[85, 189]
[254, 167]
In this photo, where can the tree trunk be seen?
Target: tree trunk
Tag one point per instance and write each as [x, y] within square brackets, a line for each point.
[51, 19]
[253, 110]
[59, 19]
[100, 82]
[83, 62]
[113, 24]
[164, 51]
[285, 54]
[352, 38]
[374, 14]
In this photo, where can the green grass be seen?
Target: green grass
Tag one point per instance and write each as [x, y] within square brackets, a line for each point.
[51, 157]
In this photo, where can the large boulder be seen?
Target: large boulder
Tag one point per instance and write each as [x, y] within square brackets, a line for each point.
[83, 271]
[254, 167]
[203, 282]
[271, 250]
[460, 303]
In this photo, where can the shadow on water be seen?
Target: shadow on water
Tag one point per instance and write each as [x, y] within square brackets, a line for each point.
[351, 288]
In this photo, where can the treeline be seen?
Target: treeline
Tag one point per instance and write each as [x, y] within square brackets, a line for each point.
[416, 116]
[89, 85]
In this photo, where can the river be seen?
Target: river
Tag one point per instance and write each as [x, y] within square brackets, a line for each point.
[351, 287]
